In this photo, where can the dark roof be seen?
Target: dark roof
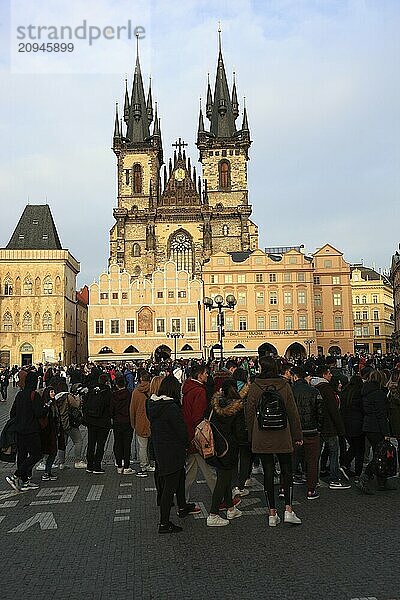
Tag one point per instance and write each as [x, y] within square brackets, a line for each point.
[35, 230]
[240, 256]
[369, 274]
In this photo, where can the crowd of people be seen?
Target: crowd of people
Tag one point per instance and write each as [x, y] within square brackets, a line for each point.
[322, 419]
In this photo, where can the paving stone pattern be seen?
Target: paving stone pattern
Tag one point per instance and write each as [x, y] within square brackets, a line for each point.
[94, 537]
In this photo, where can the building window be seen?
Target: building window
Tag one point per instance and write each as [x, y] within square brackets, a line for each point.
[337, 299]
[182, 294]
[127, 176]
[288, 322]
[317, 280]
[124, 295]
[241, 278]
[130, 326]
[220, 261]
[273, 297]
[224, 174]
[160, 325]
[328, 263]
[358, 315]
[365, 315]
[115, 295]
[273, 322]
[287, 277]
[191, 325]
[376, 315]
[228, 278]
[318, 323]
[28, 287]
[175, 325]
[27, 321]
[293, 260]
[365, 330]
[259, 277]
[358, 331]
[303, 322]
[287, 297]
[357, 300]
[228, 323]
[104, 296]
[47, 286]
[301, 277]
[137, 179]
[114, 326]
[225, 230]
[364, 300]
[170, 294]
[338, 323]
[374, 298]
[213, 323]
[99, 327]
[317, 299]
[160, 294]
[8, 288]
[242, 323]
[260, 298]
[136, 249]
[181, 251]
[272, 277]
[242, 298]
[260, 322]
[47, 321]
[335, 280]
[301, 297]
[7, 321]
[376, 330]
[213, 278]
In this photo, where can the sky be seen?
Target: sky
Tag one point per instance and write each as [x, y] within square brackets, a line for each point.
[321, 82]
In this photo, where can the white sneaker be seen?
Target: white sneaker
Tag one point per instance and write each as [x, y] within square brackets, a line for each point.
[61, 466]
[273, 520]
[233, 513]
[216, 521]
[120, 470]
[150, 469]
[291, 517]
[80, 464]
[41, 466]
[128, 471]
[238, 492]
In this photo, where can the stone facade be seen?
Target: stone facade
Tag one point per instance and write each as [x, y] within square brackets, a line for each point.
[373, 310]
[395, 280]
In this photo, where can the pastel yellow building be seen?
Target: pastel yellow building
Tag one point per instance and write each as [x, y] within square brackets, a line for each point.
[37, 297]
[133, 318]
[373, 310]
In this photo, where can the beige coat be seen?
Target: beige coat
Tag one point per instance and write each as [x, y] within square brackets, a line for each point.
[273, 442]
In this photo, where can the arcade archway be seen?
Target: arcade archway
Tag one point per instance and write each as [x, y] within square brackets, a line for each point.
[335, 351]
[267, 349]
[162, 352]
[295, 352]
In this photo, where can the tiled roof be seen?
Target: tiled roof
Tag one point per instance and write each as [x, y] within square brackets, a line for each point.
[35, 230]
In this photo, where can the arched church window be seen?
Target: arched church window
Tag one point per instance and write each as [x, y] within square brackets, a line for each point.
[27, 321]
[137, 179]
[8, 286]
[224, 174]
[136, 250]
[47, 321]
[47, 286]
[18, 286]
[225, 230]
[7, 321]
[181, 251]
[28, 286]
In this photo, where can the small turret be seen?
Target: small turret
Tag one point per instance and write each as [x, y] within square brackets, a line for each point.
[149, 105]
[126, 103]
[235, 103]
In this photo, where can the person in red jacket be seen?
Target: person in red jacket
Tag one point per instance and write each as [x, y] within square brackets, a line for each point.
[194, 405]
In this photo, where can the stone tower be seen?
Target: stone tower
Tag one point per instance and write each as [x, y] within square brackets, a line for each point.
[224, 152]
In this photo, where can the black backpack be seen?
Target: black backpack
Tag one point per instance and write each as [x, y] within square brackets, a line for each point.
[385, 459]
[93, 405]
[271, 410]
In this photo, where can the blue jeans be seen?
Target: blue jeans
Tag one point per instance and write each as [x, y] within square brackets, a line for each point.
[332, 443]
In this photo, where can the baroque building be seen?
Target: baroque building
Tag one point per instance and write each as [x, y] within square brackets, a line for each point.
[373, 310]
[38, 306]
[167, 212]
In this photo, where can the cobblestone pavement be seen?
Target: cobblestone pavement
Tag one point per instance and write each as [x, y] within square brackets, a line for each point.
[95, 537]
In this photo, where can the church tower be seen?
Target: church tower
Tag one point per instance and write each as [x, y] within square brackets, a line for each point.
[224, 152]
[138, 146]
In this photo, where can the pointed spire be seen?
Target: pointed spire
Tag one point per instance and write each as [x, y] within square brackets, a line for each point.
[156, 129]
[165, 177]
[174, 158]
[245, 124]
[199, 187]
[189, 166]
[170, 167]
[194, 178]
[138, 124]
[235, 103]
[126, 103]
[200, 128]
[149, 105]
[209, 104]
[222, 117]
[117, 131]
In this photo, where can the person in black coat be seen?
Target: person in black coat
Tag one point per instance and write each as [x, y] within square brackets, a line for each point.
[229, 431]
[97, 415]
[170, 442]
[353, 416]
[375, 423]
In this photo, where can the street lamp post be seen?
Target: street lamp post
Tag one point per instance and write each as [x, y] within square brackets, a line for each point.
[218, 304]
[309, 342]
[174, 335]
